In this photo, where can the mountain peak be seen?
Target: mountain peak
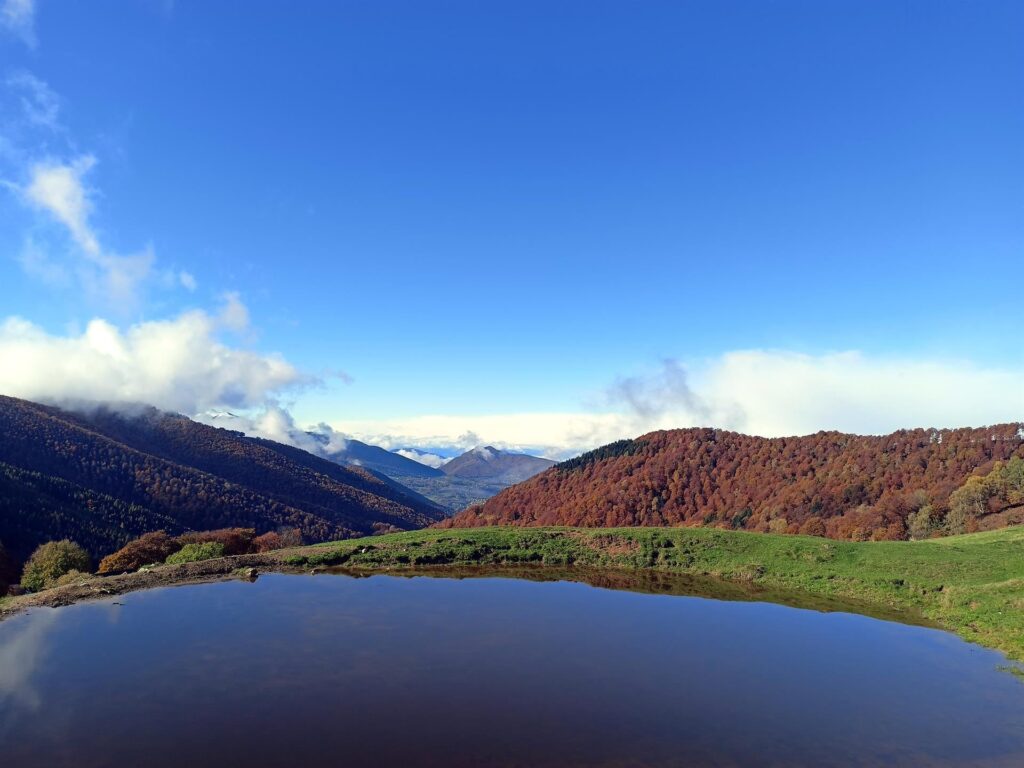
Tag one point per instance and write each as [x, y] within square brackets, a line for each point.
[485, 452]
[487, 462]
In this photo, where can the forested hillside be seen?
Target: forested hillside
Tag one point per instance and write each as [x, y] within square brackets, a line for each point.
[102, 477]
[912, 483]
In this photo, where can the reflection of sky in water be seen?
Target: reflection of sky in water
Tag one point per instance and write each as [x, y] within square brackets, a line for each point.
[23, 648]
[385, 671]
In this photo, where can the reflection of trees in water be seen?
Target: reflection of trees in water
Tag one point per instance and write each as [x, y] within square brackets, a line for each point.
[654, 582]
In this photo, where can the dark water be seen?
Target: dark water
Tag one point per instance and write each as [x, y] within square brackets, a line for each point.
[335, 671]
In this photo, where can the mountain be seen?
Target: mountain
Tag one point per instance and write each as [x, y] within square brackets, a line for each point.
[470, 478]
[843, 486]
[473, 477]
[488, 463]
[377, 459]
[102, 476]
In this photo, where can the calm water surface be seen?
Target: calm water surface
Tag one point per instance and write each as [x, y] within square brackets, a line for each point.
[386, 671]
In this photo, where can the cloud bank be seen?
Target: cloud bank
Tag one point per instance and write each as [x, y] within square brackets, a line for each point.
[429, 459]
[760, 392]
[178, 364]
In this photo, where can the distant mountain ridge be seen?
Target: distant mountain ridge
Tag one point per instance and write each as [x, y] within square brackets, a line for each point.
[378, 459]
[489, 463]
[472, 477]
[139, 471]
[840, 485]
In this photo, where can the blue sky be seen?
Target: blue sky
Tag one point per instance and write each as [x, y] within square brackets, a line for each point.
[611, 212]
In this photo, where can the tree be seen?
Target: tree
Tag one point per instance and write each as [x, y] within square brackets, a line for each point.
[150, 548]
[236, 541]
[52, 560]
[1013, 481]
[7, 571]
[920, 524]
[814, 526]
[967, 503]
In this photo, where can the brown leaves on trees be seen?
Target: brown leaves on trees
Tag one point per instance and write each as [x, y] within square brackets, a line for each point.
[148, 549]
[826, 484]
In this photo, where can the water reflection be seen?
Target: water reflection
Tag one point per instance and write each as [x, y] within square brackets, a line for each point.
[418, 671]
[23, 649]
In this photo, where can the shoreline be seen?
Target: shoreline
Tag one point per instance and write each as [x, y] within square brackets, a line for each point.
[970, 585]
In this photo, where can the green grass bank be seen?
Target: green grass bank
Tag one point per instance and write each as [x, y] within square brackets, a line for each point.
[972, 585]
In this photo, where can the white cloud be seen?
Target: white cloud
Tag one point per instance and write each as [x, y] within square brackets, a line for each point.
[769, 393]
[429, 459]
[550, 434]
[786, 393]
[234, 314]
[37, 263]
[176, 364]
[39, 103]
[272, 422]
[58, 189]
[18, 16]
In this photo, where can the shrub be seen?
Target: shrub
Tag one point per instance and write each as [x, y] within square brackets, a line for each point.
[52, 560]
[191, 553]
[149, 548]
[813, 526]
[268, 542]
[778, 525]
[71, 577]
[286, 537]
[236, 541]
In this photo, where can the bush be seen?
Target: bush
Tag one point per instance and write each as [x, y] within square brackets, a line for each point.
[71, 577]
[192, 553]
[286, 537]
[268, 542]
[149, 548]
[813, 526]
[51, 561]
[236, 541]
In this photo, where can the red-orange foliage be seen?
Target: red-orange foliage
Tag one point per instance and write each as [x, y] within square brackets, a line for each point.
[267, 542]
[843, 486]
[147, 549]
[286, 537]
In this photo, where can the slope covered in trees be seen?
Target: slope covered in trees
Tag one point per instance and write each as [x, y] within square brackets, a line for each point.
[102, 477]
[828, 484]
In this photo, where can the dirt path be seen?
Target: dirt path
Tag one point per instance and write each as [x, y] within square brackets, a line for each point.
[98, 587]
